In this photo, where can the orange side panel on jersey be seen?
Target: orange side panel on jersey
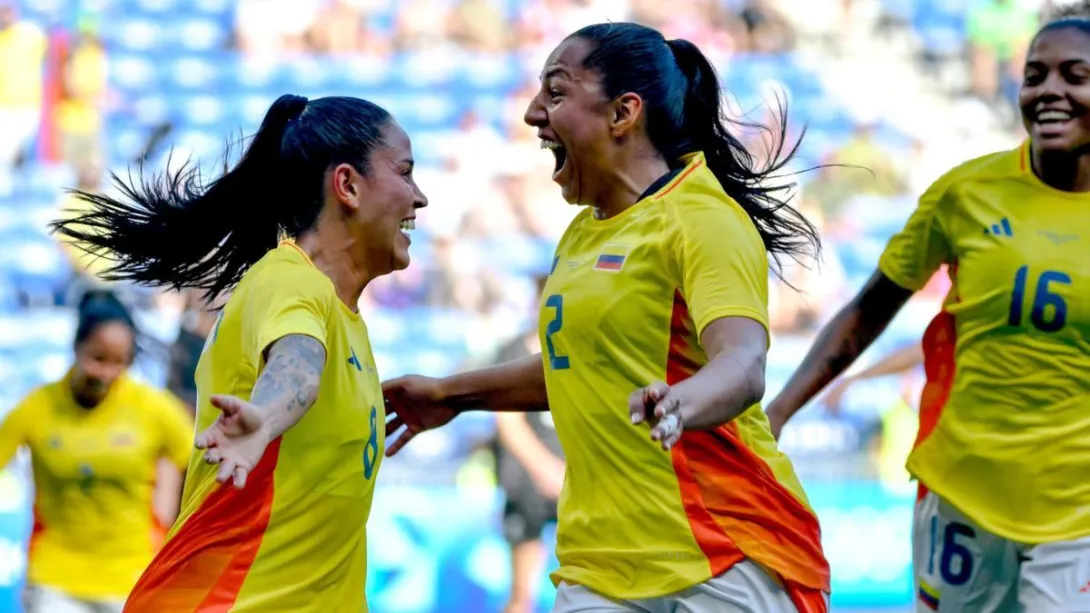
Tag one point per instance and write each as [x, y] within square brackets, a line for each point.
[680, 365]
[203, 566]
[939, 343]
[36, 530]
[730, 494]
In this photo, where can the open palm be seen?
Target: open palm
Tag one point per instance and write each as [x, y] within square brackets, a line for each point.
[236, 440]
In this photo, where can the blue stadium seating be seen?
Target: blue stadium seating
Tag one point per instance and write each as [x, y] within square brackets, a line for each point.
[171, 63]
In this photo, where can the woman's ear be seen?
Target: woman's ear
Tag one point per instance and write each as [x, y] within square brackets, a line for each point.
[626, 113]
[344, 185]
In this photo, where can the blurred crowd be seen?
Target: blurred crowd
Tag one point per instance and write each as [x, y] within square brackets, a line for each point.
[355, 26]
[490, 182]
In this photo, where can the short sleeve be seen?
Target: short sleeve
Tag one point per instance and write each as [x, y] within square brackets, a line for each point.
[914, 254]
[722, 262]
[285, 300]
[175, 428]
[15, 427]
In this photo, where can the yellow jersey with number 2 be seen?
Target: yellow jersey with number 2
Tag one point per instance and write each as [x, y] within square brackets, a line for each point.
[1005, 418]
[624, 305]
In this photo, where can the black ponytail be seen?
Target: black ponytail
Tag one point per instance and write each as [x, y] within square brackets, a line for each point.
[784, 229]
[683, 105]
[175, 230]
[99, 307]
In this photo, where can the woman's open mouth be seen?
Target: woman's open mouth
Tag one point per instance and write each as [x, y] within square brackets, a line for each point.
[559, 152]
[407, 225]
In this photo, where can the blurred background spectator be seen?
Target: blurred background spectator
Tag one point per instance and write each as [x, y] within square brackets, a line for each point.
[892, 93]
[22, 49]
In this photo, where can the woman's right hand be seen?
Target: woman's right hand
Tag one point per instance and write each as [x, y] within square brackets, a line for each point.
[235, 441]
[417, 404]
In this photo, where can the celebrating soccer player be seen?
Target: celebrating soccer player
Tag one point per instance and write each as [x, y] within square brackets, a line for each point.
[654, 324]
[289, 407]
[95, 438]
[1003, 450]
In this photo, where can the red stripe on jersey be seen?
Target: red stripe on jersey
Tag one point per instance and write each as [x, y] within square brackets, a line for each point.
[731, 495]
[203, 565]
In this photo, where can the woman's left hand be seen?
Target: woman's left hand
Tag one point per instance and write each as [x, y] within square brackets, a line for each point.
[660, 406]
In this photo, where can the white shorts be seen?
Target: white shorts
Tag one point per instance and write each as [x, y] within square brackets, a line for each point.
[959, 566]
[41, 599]
[745, 588]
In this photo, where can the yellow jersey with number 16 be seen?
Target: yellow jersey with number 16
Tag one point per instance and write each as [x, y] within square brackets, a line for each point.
[294, 539]
[1005, 417]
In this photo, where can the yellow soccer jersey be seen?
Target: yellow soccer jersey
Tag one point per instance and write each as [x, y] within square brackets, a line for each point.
[94, 474]
[1005, 418]
[294, 538]
[625, 305]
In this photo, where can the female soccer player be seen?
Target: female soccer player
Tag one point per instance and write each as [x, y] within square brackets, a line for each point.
[95, 438]
[1002, 523]
[654, 324]
[289, 406]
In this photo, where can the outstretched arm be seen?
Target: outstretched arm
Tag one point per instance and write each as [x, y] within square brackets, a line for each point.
[839, 344]
[422, 403]
[288, 384]
[518, 385]
[285, 390]
[732, 381]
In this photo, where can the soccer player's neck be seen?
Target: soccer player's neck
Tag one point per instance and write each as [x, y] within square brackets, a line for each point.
[334, 254]
[630, 174]
[1065, 171]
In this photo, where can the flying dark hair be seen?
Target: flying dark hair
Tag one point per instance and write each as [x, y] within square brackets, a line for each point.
[175, 230]
[99, 307]
[682, 99]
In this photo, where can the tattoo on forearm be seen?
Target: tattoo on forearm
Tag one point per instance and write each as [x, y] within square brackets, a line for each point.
[291, 374]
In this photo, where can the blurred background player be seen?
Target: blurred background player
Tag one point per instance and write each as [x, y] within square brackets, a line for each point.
[333, 176]
[530, 470]
[657, 301]
[95, 438]
[999, 526]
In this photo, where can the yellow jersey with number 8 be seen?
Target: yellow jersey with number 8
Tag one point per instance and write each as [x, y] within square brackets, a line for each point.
[1005, 417]
[295, 538]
